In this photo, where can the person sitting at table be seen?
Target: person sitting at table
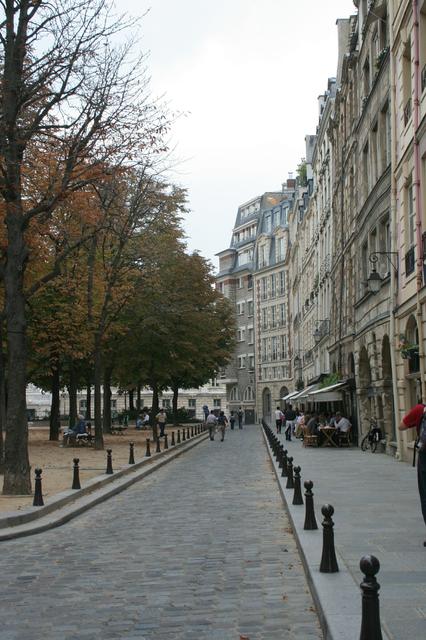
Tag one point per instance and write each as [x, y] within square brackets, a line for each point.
[342, 424]
[312, 425]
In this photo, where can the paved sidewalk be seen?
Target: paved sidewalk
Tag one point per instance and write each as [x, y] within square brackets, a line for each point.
[377, 511]
[200, 550]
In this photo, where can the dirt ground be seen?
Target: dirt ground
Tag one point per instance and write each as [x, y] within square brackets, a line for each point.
[57, 462]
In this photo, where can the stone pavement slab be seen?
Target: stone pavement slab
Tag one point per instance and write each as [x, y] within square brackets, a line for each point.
[377, 511]
[202, 550]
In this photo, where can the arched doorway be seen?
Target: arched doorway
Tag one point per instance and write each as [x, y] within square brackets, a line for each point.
[283, 393]
[388, 425]
[266, 402]
[365, 391]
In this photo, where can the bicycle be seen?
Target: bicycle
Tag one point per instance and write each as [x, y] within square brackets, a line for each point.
[373, 436]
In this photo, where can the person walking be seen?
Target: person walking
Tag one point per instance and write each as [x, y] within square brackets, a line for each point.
[223, 423]
[240, 415]
[290, 422]
[161, 418]
[416, 418]
[232, 420]
[211, 422]
[205, 412]
[279, 416]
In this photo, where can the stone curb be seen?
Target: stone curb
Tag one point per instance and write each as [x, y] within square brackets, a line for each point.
[336, 595]
[71, 503]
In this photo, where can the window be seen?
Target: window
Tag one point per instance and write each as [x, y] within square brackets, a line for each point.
[411, 216]
[83, 405]
[280, 248]
[365, 172]
[192, 403]
[241, 362]
[273, 317]
[113, 404]
[245, 256]
[275, 348]
[240, 308]
[268, 224]
[251, 335]
[251, 362]
[248, 394]
[240, 283]
[241, 335]
[264, 288]
[273, 288]
[262, 256]
[282, 315]
[233, 396]
[165, 403]
[264, 350]
[276, 219]
[282, 282]
[366, 73]
[216, 403]
[249, 281]
[406, 81]
[264, 318]
[250, 308]
[284, 347]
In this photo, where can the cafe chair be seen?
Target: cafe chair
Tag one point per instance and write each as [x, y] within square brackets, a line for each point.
[344, 438]
[309, 440]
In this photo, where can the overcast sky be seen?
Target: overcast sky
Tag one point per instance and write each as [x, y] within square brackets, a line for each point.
[248, 74]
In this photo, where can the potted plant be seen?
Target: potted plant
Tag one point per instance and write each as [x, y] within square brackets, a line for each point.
[407, 349]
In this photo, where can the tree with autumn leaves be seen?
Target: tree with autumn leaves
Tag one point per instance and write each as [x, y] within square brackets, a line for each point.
[83, 207]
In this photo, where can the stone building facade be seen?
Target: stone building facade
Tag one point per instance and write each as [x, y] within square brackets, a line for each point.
[252, 274]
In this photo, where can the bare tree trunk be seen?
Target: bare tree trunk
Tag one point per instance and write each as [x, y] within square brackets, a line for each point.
[99, 439]
[89, 399]
[154, 410]
[2, 398]
[107, 400]
[55, 421]
[72, 392]
[175, 389]
[138, 397]
[131, 399]
[17, 465]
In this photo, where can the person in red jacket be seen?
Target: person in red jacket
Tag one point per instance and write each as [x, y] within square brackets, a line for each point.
[414, 419]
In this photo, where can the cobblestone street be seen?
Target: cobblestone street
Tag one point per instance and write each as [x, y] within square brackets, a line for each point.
[200, 550]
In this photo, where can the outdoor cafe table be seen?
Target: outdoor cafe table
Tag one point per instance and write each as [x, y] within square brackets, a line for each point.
[328, 433]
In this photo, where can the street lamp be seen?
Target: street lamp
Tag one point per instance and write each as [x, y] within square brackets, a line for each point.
[374, 280]
[319, 333]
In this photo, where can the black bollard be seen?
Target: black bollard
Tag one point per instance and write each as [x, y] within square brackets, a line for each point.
[328, 558]
[132, 453]
[158, 448]
[148, 449]
[109, 469]
[370, 621]
[38, 494]
[172, 444]
[284, 472]
[76, 475]
[178, 437]
[166, 443]
[183, 435]
[310, 520]
[187, 433]
[192, 432]
[280, 457]
[297, 495]
[290, 480]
